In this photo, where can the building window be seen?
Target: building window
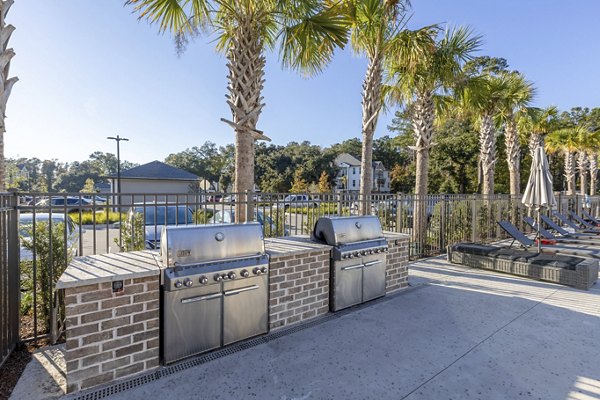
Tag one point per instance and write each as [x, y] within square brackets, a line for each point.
[353, 182]
[354, 170]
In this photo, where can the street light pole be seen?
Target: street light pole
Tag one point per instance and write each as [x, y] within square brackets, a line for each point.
[118, 139]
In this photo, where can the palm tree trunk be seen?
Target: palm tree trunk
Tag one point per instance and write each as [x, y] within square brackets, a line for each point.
[6, 83]
[593, 164]
[535, 140]
[422, 118]
[487, 152]
[570, 172]
[582, 168]
[513, 156]
[371, 105]
[246, 63]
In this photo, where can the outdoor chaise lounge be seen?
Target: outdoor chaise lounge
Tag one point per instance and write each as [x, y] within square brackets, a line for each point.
[563, 232]
[566, 221]
[581, 221]
[566, 238]
[581, 250]
[577, 272]
[590, 217]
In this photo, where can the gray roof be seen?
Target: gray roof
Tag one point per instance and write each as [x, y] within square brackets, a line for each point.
[157, 170]
[346, 158]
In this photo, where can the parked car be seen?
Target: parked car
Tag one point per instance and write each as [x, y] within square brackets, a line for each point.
[26, 231]
[228, 217]
[73, 203]
[298, 200]
[156, 216]
[95, 198]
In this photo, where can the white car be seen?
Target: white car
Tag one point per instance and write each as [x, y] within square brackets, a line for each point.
[26, 231]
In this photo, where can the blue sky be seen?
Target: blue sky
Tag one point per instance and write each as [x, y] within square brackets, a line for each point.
[88, 69]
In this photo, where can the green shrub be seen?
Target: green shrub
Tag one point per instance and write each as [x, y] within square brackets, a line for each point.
[132, 233]
[203, 216]
[53, 255]
[99, 217]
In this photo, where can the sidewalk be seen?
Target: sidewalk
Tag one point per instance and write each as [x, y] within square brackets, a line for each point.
[459, 333]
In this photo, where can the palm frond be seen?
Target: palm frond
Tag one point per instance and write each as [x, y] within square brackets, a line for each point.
[309, 44]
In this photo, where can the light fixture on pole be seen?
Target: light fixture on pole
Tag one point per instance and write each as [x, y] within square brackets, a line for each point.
[118, 139]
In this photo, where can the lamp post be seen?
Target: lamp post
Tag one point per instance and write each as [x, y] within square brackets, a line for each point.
[118, 139]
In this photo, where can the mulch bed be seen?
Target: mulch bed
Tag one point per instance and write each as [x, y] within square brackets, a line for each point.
[11, 370]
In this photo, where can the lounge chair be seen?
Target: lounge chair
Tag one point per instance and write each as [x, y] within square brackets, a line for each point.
[566, 238]
[568, 222]
[582, 250]
[563, 232]
[589, 217]
[581, 221]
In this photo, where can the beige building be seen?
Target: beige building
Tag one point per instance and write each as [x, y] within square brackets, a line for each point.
[156, 181]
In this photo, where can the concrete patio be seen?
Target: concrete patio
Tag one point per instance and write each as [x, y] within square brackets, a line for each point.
[458, 333]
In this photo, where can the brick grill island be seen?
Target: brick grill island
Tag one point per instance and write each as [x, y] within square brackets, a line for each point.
[110, 335]
[115, 335]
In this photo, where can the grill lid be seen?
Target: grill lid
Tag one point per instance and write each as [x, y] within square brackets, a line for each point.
[336, 231]
[189, 244]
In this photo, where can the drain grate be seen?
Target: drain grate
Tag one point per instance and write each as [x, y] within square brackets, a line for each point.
[101, 393]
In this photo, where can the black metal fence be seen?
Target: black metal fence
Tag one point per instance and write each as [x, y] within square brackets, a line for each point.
[9, 276]
[55, 227]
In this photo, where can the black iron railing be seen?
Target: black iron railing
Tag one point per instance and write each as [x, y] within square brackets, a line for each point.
[55, 227]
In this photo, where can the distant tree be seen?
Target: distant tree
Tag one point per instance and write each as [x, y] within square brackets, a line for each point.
[88, 187]
[324, 185]
[299, 185]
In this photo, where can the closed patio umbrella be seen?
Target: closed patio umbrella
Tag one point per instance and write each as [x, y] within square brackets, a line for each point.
[538, 192]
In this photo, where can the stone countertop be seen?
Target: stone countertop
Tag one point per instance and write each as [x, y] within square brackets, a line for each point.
[291, 245]
[90, 270]
[395, 236]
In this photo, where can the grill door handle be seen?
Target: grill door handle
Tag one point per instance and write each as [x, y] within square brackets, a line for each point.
[244, 289]
[352, 267]
[371, 263]
[201, 298]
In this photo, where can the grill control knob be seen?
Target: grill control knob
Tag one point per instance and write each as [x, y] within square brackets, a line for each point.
[245, 273]
[231, 275]
[188, 282]
[203, 280]
[264, 270]
[364, 252]
[218, 278]
[178, 284]
[225, 277]
[356, 254]
[349, 255]
[257, 271]
[386, 250]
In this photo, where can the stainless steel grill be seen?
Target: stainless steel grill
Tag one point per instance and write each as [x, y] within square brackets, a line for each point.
[358, 258]
[214, 287]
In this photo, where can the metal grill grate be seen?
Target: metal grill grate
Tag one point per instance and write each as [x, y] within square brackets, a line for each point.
[232, 349]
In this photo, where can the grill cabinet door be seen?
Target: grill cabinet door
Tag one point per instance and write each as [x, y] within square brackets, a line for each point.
[347, 284]
[374, 276]
[191, 321]
[245, 308]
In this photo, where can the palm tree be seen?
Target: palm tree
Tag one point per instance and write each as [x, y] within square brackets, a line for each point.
[519, 93]
[373, 24]
[6, 83]
[593, 165]
[484, 95]
[538, 122]
[571, 141]
[307, 33]
[417, 82]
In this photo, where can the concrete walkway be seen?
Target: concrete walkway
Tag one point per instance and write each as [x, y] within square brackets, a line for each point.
[459, 333]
